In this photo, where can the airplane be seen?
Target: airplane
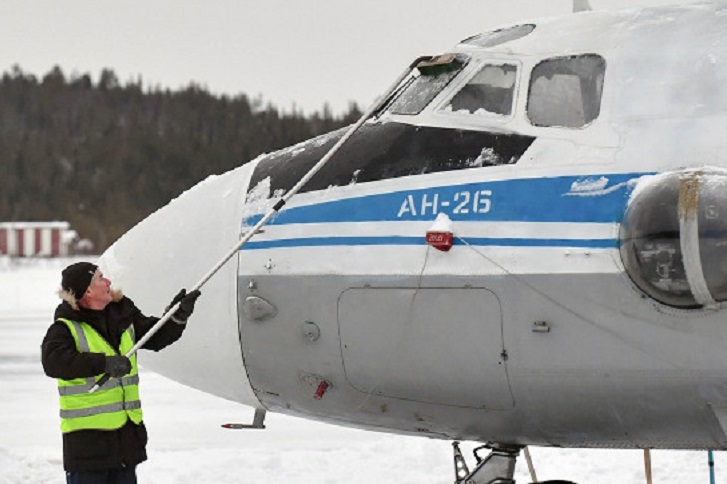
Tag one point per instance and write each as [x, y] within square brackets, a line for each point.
[523, 243]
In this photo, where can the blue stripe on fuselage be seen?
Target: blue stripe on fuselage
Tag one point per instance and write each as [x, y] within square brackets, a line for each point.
[394, 240]
[581, 199]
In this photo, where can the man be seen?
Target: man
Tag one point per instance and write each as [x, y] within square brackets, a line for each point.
[104, 437]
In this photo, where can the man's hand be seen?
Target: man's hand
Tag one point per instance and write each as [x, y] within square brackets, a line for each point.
[186, 305]
[117, 366]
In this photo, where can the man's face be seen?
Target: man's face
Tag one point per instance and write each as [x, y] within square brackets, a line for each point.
[98, 294]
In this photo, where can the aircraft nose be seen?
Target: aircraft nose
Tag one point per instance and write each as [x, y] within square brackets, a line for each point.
[175, 248]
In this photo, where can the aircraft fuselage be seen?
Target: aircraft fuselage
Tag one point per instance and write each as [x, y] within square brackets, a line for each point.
[581, 304]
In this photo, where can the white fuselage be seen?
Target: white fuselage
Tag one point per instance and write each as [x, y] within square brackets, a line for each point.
[528, 330]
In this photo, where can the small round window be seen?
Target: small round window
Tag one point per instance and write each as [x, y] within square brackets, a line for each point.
[500, 36]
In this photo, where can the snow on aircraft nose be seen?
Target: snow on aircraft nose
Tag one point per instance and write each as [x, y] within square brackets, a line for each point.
[175, 248]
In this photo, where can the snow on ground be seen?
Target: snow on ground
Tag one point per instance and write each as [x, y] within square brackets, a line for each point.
[187, 444]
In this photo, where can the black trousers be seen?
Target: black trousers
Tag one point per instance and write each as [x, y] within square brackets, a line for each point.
[125, 475]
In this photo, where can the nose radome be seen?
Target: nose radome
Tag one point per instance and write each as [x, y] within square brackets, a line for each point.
[174, 248]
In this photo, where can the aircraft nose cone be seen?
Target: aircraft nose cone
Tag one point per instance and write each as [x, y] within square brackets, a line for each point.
[175, 248]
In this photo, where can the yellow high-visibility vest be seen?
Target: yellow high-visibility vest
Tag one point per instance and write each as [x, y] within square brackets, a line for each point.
[111, 405]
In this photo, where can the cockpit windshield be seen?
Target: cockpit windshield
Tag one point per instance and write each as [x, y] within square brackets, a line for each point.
[563, 92]
[427, 80]
[566, 91]
[490, 91]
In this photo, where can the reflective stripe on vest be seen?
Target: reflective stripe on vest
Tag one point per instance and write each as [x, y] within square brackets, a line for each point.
[86, 387]
[112, 407]
[115, 402]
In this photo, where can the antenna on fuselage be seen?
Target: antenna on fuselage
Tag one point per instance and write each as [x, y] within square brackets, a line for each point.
[581, 6]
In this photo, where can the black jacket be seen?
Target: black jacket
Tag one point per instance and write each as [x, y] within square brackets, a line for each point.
[101, 449]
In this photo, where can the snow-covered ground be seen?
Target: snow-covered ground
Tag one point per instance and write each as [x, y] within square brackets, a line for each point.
[187, 444]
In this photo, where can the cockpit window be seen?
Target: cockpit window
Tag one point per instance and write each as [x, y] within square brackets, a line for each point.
[566, 91]
[427, 80]
[490, 91]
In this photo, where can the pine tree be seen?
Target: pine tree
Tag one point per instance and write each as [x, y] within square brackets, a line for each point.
[105, 156]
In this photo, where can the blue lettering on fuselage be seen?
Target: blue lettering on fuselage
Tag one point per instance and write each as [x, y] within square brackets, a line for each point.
[430, 204]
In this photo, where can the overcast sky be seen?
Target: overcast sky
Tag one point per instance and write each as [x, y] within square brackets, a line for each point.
[292, 52]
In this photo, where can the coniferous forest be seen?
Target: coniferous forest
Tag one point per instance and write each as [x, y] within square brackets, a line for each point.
[103, 155]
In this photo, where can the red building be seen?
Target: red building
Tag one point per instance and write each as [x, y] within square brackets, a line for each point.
[36, 239]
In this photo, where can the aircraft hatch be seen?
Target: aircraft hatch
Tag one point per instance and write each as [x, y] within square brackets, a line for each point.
[384, 333]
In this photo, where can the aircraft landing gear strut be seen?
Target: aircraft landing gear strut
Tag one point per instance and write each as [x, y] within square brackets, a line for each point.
[497, 468]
